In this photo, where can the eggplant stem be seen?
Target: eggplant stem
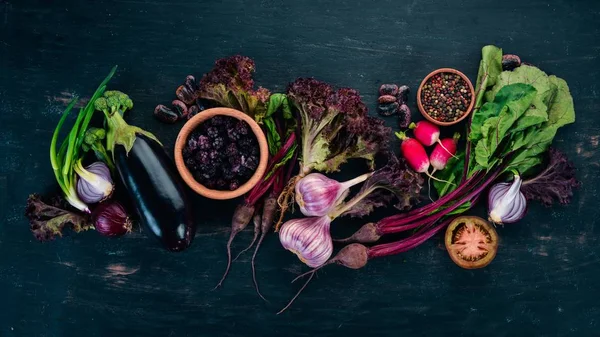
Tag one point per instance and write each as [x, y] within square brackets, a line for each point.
[297, 294]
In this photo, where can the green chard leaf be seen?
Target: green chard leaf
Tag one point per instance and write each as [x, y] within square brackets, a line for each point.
[451, 175]
[273, 138]
[509, 104]
[535, 141]
[490, 68]
[546, 89]
[561, 109]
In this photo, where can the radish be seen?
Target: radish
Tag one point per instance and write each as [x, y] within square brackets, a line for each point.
[443, 151]
[415, 155]
[427, 133]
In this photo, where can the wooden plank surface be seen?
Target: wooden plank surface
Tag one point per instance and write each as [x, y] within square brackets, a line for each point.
[545, 280]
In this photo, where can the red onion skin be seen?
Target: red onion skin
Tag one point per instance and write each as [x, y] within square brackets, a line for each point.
[110, 219]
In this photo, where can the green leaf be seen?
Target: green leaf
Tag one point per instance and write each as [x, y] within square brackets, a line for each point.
[275, 102]
[451, 174]
[546, 90]
[561, 110]
[462, 208]
[510, 103]
[490, 68]
[273, 138]
[287, 111]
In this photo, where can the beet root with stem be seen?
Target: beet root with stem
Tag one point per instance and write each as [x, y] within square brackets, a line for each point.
[368, 233]
[353, 256]
[241, 217]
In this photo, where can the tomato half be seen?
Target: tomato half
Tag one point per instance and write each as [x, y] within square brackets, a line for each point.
[471, 242]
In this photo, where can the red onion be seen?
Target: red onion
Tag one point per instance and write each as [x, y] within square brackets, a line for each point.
[506, 202]
[110, 219]
[94, 183]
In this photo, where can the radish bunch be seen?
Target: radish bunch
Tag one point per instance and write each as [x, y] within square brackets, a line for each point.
[413, 149]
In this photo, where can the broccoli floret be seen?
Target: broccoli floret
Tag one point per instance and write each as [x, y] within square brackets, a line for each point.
[101, 105]
[113, 101]
[93, 141]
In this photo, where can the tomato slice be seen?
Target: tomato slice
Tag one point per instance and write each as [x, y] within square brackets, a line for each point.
[471, 242]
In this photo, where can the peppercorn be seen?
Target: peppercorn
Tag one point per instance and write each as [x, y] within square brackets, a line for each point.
[445, 97]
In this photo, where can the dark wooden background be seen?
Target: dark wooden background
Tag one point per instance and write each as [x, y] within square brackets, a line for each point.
[545, 280]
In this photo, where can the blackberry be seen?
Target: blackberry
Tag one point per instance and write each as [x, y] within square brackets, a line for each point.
[230, 122]
[234, 185]
[218, 143]
[244, 172]
[254, 151]
[227, 172]
[203, 158]
[233, 134]
[231, 150]
[192, 144]
[242, 128]
[214, 155]
[221, 184]
[208, 171]
[191, 164]
[218, 120]
[236, 164]
[246, 142]
[212, 132]
[186, 153]
[203, 143]
[251, 163]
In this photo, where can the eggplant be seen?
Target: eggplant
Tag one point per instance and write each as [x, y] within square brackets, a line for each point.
[157, 192]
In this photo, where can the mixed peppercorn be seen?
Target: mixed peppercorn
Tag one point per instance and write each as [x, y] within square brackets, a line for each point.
[446, 97]
[222, 153]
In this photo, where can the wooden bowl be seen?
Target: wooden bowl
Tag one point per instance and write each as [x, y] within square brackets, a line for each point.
[445, 70]
[187, 176]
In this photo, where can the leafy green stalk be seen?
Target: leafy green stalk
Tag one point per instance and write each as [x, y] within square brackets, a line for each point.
[69, 152]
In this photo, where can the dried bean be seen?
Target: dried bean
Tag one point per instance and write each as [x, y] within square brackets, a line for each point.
[402, 95]
[180, 108]
[387, 109]
[388, 89]
[510, 62]
[387, 99]
[404, 117]
[185, 94]
[165, 115]
[190, 83]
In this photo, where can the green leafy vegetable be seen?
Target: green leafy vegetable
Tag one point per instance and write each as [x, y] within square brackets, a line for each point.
[519, 115]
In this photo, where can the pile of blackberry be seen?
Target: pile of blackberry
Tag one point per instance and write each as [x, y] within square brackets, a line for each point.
[222, 153]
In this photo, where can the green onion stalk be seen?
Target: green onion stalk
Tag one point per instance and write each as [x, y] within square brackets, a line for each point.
[69, 153]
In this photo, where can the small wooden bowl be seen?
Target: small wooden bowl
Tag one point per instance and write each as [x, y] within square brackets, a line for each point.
[452, 71]
[187, 176]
